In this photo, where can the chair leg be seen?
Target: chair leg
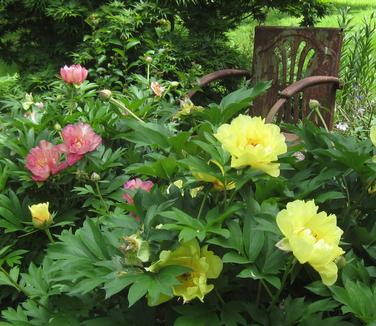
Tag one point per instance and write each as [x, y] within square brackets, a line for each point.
[273, 111]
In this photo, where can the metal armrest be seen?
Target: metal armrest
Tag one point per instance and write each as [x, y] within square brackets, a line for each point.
[220, 74]
[297, 87]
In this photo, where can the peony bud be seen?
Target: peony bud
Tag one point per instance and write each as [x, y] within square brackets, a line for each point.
[174, 84]
[41, 217]
[314, 104]
[57, 126]
[105, 94]
[74, 74]
[95, 177]
[149, 59]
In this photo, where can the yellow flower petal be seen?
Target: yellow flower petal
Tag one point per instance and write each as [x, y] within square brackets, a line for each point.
[41, 217]
[312, 237]
[253, 143]
[203, 264]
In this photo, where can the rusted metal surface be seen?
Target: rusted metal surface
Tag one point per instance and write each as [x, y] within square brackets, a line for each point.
[220, 74]
[286, 55]
[297, 87]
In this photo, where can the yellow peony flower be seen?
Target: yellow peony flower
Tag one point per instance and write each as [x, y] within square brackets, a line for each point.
[203, 264]
[252, 142]
[312, 237]
[41, 217]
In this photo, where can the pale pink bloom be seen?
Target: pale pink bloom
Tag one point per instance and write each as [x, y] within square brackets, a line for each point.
[157, 88]
[39, 105]
[79, 139]
[299, 156]
[74, 74]
[135, 184]
[44, 160]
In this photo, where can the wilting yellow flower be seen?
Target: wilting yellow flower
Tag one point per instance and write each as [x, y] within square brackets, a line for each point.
[195, 191]
[157, 88]
[186, 108]
[178, 184]
[217, 184]
[41, 217]
[136, 250]
[372, 188]
[312, 237]
[203, 264]
[252, 142]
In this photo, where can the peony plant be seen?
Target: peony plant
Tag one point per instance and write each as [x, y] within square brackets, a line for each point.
[180, 215]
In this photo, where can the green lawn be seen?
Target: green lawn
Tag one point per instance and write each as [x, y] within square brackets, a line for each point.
[242, 37]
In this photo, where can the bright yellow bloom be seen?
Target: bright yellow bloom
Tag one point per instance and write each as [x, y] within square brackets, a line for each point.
[203, 264]
[41, 217]
[252, 142]
[312, 237]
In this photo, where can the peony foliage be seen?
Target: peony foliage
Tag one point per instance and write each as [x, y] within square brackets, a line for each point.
[117, 209]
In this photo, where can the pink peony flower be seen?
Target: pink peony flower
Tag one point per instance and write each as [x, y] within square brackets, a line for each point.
[135, 184]
[75, 74]
[44, 160]
[79, 139]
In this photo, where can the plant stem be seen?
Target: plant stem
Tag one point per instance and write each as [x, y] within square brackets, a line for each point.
[101, 197]
[122, 106]
[290, 265]
[148, 73]
[49, 235]
[258, 295]
[21, 289]
[267, 288]
[202, 204]
[220, 297]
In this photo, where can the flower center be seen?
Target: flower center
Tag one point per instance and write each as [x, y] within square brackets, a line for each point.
[41, 162]
[308, 232]
[185, 277]
[253, 142]
[77, 143]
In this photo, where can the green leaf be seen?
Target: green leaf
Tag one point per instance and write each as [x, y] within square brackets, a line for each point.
[138, 289]
[233, 257]
[330, 195]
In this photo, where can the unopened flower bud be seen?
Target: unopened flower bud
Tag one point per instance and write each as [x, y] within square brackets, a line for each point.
[149, 59]
[313, 104]
[105, 94]
[340, 262]
[95, 177]
[174, 84]
[41, 216]
[57, 127]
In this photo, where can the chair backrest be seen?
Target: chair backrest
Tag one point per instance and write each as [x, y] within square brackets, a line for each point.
[285, 55]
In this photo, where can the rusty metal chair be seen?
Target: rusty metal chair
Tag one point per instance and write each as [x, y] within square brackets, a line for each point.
[302, 63]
